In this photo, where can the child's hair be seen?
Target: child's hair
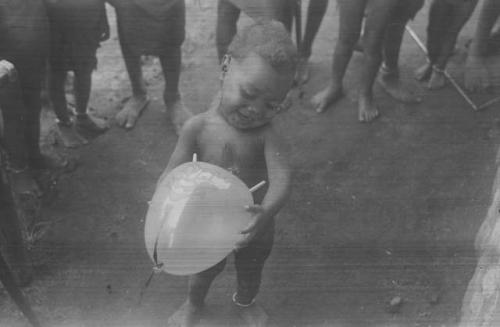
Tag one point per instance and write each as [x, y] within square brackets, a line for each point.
[271, 41]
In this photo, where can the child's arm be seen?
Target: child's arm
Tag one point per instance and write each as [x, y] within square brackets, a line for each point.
[279, 175]
[186, 145]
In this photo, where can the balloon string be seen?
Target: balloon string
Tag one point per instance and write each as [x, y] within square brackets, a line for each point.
[156, 269]
[258, 186]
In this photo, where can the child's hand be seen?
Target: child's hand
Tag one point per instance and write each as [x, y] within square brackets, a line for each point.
[260, 219]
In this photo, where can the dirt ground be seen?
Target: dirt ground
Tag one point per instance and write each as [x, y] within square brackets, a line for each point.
[378, 210]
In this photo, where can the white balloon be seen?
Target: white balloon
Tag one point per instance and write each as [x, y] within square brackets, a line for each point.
[195, 218]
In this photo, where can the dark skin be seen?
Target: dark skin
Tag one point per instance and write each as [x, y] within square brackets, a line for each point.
[315, 13]
[82, 88]
[477, 77]
[239, 123]
[446, 19]
[384, 24]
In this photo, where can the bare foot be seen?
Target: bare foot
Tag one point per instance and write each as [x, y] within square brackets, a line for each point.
[423, 73]
[187, 315]
[253, 315]
[91, 125]
[367, 110]
[179, 114]
[69, 135]
[393, 85]
[437, 80]
[326, 97]
[131, 111]
[302, 73]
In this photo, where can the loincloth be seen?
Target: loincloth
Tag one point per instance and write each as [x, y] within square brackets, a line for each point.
[150, 27]
[76, 28]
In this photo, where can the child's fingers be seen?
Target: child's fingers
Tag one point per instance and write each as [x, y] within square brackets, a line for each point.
[254, 208]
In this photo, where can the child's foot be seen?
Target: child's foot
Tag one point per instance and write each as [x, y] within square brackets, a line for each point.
[302, 73]
[326, 97]
[90, 125]
[367, 110]
[423, 73]
[179, 114]
[187, 315]
[393, 85]
[253, 315]
[131, 111]
[69, 135]
[437, 80]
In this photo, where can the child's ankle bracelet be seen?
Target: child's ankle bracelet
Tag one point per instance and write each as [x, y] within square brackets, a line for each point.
[240, 304]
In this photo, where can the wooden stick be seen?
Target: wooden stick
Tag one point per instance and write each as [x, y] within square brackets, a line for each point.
[258, 186]
[448, 76]
[488, 103]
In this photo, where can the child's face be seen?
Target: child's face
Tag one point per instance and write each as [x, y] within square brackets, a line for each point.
[253, 92]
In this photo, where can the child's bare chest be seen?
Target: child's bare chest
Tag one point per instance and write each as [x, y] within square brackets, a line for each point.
[241, 153]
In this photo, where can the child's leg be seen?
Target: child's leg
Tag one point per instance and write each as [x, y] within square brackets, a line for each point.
[438, 20]
[83, 86]
[249, 262]
[227, 20]
[459, 14]
[56, 84]
[315, 13]
[351, 16]
[189, 313]
[389, 74]
[171, 66]
[139, 100]
[376, 22]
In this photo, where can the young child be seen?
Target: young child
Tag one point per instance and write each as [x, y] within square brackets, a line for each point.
[24, 36]
[446, 19]
[477, 77]
[76, 29]
[237, 133]
[151, 27]
[382, 35]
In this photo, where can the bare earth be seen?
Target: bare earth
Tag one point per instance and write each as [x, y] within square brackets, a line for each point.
[378, 211]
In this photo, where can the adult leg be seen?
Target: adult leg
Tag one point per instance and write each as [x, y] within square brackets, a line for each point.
[351, 17]
[12, 239]
[315, 13]
[14, 112]
[438, 20]
[171, 66]
[226, 26]
[131, 111]
[57, 78]
[189, 313]
[389, 75]
[460, 14]
[83, 86]
[376, 22]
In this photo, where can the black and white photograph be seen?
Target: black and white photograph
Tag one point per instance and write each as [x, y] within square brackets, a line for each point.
[231, 163]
